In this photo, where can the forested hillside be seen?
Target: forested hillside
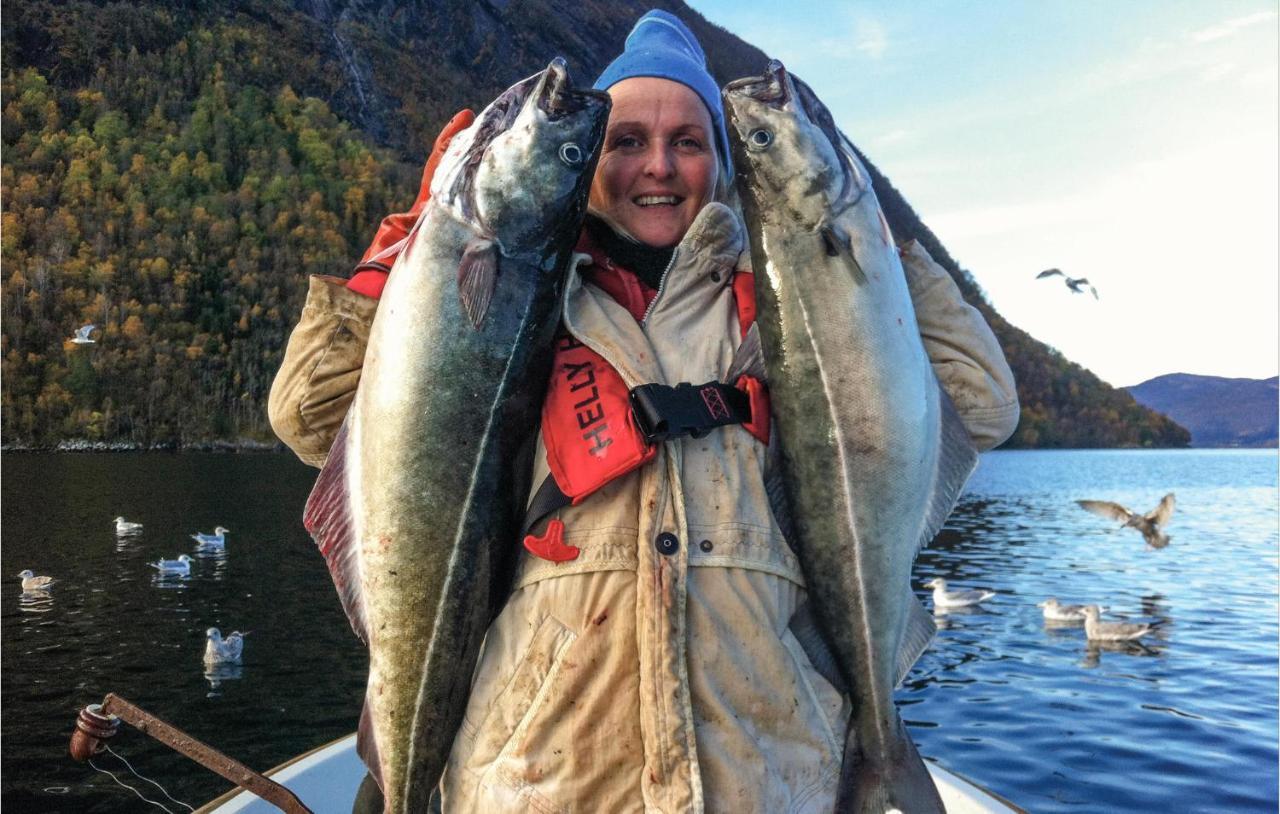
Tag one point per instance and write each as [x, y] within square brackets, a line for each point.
[172, 172]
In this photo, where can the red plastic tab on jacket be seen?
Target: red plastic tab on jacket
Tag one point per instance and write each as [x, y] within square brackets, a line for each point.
[759, 395]
[550, 546]
[587, 424]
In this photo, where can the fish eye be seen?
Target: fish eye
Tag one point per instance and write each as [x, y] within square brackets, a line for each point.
[759, 139]
[571, 154]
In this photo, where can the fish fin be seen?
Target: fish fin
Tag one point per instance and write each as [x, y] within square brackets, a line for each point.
[896, 780]
[477, 276]
[805, 628]
[748, 359]
[367, 744]
[916, 636]
[776, 490]
[327, 517]
[956, 461]
[837, 243]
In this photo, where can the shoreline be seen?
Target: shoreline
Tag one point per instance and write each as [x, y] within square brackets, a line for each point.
[85, 445]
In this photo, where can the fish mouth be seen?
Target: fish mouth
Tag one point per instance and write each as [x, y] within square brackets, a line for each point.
[779, 89]
[772, 88]
[557, 97]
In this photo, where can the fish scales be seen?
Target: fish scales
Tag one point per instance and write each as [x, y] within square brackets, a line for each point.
[872, 455]
[416, 511]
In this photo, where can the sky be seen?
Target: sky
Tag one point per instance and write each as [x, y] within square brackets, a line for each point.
[1133, 143]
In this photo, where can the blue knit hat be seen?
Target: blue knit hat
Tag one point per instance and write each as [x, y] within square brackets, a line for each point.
[662, 46]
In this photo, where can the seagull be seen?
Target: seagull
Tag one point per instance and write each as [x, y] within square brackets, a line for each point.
[31, 582]
[942, 598]
[125, 527]
[215, 540]
[1054, 612]
[1149, 524]
[1076, 284]
[218, 650]
[182, 565]
[82, 335]
[1112, 631]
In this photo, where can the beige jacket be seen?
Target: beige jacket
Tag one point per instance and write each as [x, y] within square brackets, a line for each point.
[656, 671]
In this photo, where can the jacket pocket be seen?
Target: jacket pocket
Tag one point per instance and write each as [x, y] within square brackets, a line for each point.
[513, 703]
[827, 701]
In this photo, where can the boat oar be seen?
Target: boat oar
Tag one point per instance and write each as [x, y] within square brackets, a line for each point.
[99, 722]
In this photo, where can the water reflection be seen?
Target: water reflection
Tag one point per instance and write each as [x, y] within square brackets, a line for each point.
[37, 600]
[213, 562]
[217, 673]
[169, 581]
[1095, 648]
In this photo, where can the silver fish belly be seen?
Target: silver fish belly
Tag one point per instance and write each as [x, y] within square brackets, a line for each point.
[415, 510]
[873, 456]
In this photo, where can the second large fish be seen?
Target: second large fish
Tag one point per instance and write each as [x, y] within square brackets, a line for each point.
[873, 457]
[415, 510]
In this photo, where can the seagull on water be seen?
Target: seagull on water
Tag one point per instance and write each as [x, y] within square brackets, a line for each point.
[31, 582]
[1054, 612]
[1112, 631]
[82, 335]
[215, 540]
[125, 527]
[218, 650]
[1148, 524]
[182, 565]
[942, 598]
[1076, 284]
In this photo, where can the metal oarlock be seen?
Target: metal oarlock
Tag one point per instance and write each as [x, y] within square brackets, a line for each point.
[99, 722]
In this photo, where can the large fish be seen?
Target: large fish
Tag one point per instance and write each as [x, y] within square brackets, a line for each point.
[415, 510]
[873, 456]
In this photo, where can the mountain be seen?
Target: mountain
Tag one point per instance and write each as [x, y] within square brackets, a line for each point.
[1219, 412]
[173, 171]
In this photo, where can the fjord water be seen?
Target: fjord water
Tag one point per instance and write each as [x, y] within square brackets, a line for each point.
[1186, 722]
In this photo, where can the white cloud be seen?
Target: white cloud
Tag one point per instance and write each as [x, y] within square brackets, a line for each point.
[870, 38]
[1231, 27]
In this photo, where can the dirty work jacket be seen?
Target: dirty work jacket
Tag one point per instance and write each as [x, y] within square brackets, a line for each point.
[656, 671]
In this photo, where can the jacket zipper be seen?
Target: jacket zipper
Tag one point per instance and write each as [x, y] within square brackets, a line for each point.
[662, 286]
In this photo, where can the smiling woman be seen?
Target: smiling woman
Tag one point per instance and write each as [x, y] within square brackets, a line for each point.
[645, 653]
[659, 165]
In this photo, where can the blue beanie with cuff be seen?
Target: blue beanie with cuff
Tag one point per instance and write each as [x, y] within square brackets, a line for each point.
[661, 46]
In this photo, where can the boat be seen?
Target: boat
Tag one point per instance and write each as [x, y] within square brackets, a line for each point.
[326, 779]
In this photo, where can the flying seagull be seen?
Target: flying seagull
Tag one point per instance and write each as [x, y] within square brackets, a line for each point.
[942, 598]
[1112, 631]
[1149, 524]
[82, 335]
[218, 650]
[1076, 284]
[31, 582]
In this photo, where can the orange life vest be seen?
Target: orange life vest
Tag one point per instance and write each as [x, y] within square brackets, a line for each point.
[588, 427]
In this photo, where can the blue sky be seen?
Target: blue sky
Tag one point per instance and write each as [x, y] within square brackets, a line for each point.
[1132, 142]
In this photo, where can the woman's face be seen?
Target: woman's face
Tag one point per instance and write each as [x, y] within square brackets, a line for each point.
[659, 167]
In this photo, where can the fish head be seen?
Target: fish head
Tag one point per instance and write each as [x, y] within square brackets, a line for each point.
[521, 173]
[793, 163]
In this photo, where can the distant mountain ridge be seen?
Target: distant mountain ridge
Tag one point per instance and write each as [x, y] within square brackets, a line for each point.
[174, 171]
[1219, 412]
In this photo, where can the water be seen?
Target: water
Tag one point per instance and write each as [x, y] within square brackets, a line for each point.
[1187, 722]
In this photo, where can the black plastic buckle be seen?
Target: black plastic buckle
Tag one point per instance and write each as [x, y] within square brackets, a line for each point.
[663, 412]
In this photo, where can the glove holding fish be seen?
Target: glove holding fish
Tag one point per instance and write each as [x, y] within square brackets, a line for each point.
[414, 510]
[873, 454]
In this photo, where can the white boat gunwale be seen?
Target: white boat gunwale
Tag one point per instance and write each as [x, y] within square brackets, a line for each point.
[959, 794]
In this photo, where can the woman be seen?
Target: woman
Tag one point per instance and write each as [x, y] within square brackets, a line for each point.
[643, 659]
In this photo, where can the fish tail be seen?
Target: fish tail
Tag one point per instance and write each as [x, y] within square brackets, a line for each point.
[898, 781]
